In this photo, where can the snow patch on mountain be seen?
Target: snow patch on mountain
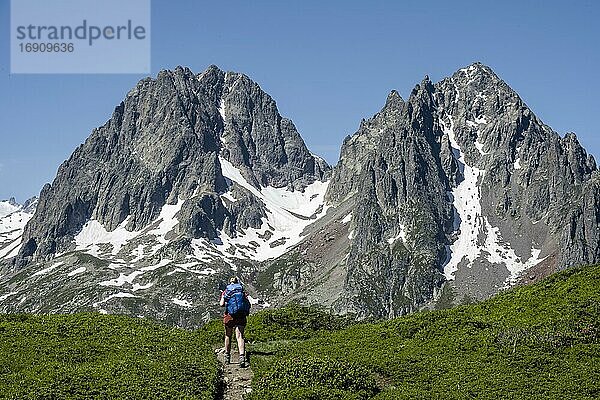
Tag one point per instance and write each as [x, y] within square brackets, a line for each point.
[182, 303]
[466, 198]
[76, 271]
[222, 109]
[468, 70]
[6, 296]
[8, 207]
[479, 147]
[351, 234]
[48, 269]
[11, 248]
[401, 235]
[93, 234]
[501, 252]
[13, 218]
[481, 120]
[468, 220]
[122, 279]
[168, 221]
[517, 164]
[114, 296]
[288, 214]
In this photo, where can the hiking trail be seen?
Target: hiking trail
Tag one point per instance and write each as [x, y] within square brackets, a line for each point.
[236, 380]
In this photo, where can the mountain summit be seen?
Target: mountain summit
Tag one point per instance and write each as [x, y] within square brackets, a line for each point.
[454, 193]
[451, 195]
[165, 144]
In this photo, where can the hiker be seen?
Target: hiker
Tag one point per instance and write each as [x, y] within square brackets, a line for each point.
[237, 308]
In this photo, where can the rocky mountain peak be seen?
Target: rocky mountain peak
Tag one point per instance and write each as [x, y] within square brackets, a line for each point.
[164, 144]
[467, 154]
[422, 90]
[394, 100]
[455, 193]
[211, 69]
[30, 205]
[477, 80]
[426, 84]
[476, 70]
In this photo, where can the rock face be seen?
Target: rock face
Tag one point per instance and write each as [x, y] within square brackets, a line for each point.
[450, 195]
[162, 144]
[455, 193]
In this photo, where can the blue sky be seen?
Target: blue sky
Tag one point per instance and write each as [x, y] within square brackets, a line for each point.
[327, 64]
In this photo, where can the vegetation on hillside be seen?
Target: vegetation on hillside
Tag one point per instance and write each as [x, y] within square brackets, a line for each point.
[540, 341]
[94, 356]
[535, 342]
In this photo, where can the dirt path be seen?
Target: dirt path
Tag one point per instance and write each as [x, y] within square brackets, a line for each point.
[236, 380]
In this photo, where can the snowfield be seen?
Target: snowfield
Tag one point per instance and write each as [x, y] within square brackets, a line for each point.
[12, 222]
[288, 214]
[471, 225]
[7, 208]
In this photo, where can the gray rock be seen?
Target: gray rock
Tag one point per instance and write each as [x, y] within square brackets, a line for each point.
[539, 190]
[399, 176]
[163, 143]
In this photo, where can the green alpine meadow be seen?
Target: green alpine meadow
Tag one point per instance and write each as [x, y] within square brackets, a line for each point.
[531, 342]
[540, 341]
[95, 356]
[299, 200]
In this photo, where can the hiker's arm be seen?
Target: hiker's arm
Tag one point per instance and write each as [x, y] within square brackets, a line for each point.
[222, 302]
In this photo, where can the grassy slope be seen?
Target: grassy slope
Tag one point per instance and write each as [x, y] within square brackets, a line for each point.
[540, 341]
[94, 356]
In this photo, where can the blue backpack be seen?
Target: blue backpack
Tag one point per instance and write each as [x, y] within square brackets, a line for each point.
[237, 302]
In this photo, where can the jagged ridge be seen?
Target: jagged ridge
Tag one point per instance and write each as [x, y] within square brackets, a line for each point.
[456, 192]
[453, 194]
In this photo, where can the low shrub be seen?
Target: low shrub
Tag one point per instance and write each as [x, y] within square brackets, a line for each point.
[94, 356]
[314, 378]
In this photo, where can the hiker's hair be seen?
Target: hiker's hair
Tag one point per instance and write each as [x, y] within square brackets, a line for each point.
[234, 279]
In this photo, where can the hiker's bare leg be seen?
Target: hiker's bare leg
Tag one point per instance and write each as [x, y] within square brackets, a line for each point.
[228, 334]
[239, 333]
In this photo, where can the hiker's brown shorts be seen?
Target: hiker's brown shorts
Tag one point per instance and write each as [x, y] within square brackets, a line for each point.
[231, 322]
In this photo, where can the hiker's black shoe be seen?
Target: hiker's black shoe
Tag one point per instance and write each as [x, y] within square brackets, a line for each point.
[243, 362]
[227, 358]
